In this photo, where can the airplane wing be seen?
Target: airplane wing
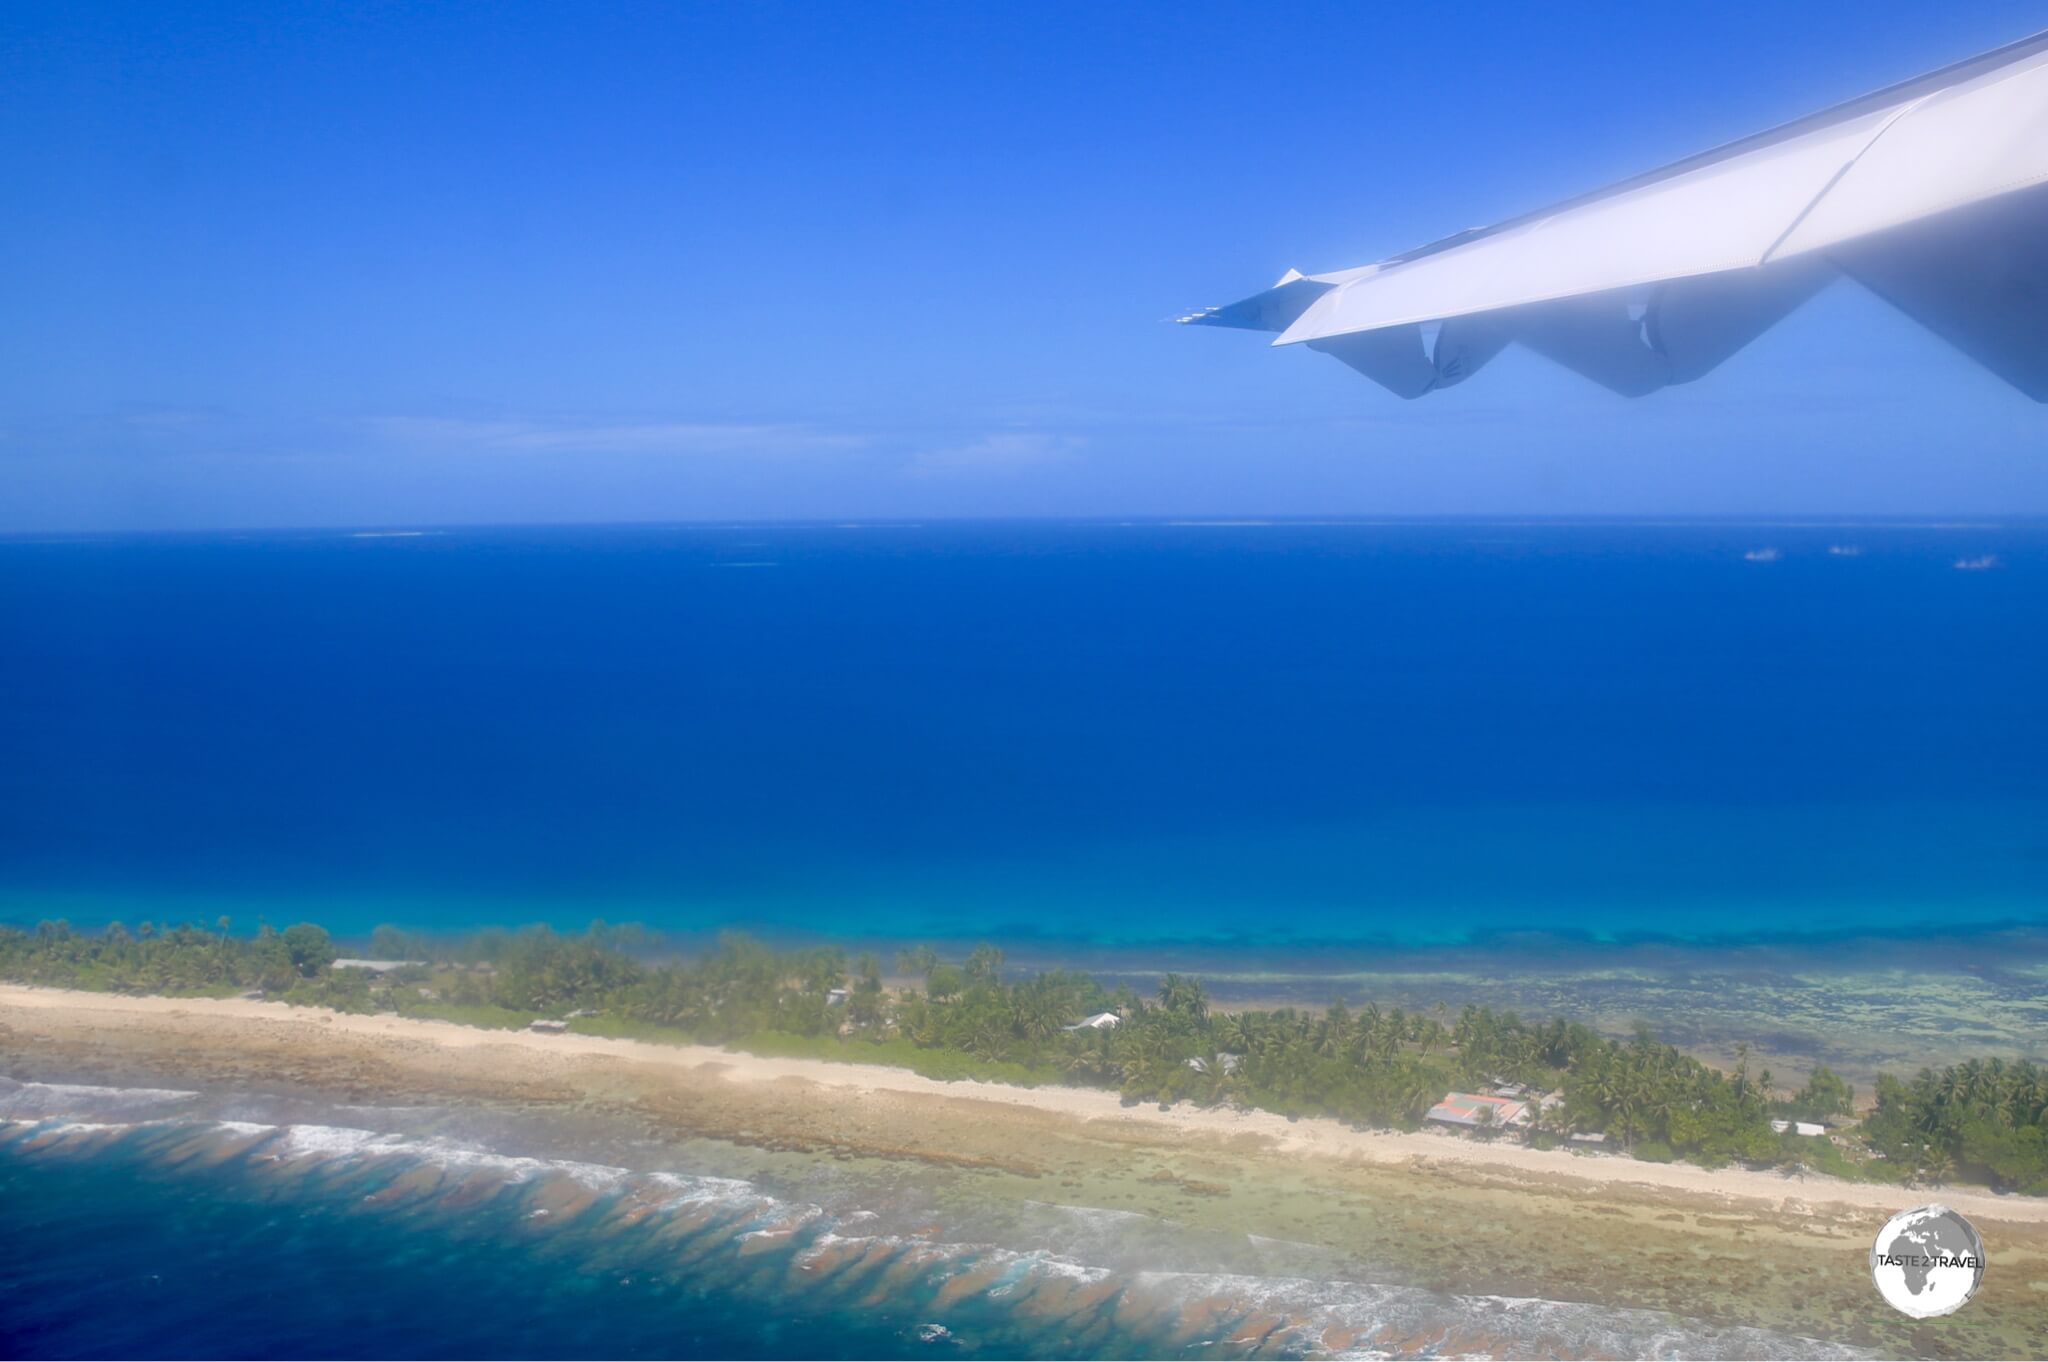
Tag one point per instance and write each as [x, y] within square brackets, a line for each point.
[1933, 194]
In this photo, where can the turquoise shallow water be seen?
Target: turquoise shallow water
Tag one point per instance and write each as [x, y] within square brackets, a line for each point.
[1084, 732]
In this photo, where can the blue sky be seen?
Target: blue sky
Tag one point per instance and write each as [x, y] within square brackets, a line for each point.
[380, 264]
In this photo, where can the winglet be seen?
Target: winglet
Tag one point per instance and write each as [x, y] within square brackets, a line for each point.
[1274, 310]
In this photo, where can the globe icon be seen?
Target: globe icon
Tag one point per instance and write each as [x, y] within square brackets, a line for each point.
[1927, 1261]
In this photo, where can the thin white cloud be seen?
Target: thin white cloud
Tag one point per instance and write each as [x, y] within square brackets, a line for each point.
[573, 437]
[169, 418]
[1006, 452]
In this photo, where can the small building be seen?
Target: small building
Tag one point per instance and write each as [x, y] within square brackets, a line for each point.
[1101, 1021]
[1593, 1138]
[1226, 1064]
[835, 997]
[547, 1026]
[1799, 1127]
[1465, 1108]
[376, 966]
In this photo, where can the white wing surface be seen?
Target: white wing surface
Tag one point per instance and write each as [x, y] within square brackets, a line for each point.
[1933, 194]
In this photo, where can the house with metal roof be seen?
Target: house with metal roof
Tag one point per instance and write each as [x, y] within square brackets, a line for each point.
[1466, 1108]
[1101, 1021]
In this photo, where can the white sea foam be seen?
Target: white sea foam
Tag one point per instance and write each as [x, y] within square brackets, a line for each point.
[81, 1099]
[825, 1241]
[93, 1090]
[450, 1154]
[1306, 1306]
[244, 1127]
[696, 1190]
[1053, 1265]
[57, 1125]
[777, 1219]
[349, 1142]
[333, 1142]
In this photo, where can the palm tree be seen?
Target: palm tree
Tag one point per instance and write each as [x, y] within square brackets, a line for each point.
[1386, 1036]
[1557, 1043]
[1419, 1092]
[1994, 1077]
[1954, 1086]
[921, 1022]
[1093, 1064]
[1041, 1009]
[1549, 1118]
[1150, 1059]
[1183, 997]
[1628, 1120]
[1661, 1104]
[992, 1036]
[1937, 1168]
[916, 960]
[985, 963]
[2030, 1094]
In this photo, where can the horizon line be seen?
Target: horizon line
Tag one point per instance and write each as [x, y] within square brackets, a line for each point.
[1649, 520]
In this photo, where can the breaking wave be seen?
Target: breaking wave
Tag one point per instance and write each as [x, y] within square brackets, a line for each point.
[943, 1295]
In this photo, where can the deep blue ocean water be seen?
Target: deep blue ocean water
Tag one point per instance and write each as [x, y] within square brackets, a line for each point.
[1093, 734]
[1115, 733]
[113, 1257]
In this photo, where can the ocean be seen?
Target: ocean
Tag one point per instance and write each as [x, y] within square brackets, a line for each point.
[1479, 745]
[1113, 734]
[147, 1223]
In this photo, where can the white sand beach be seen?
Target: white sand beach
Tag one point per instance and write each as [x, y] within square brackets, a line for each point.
[885, 1093]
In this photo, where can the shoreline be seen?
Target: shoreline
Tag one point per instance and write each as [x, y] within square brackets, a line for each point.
[509, 1063]
[1866, 1005]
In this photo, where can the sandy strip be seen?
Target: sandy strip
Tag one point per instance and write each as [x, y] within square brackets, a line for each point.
[514, 1051]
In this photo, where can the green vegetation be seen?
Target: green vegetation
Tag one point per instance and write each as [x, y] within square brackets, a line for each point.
[485, 1015]
[177, 960]
[1982, 1120]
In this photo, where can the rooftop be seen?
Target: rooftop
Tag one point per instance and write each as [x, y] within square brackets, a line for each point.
[1095, 1023]
[1464, 1108]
